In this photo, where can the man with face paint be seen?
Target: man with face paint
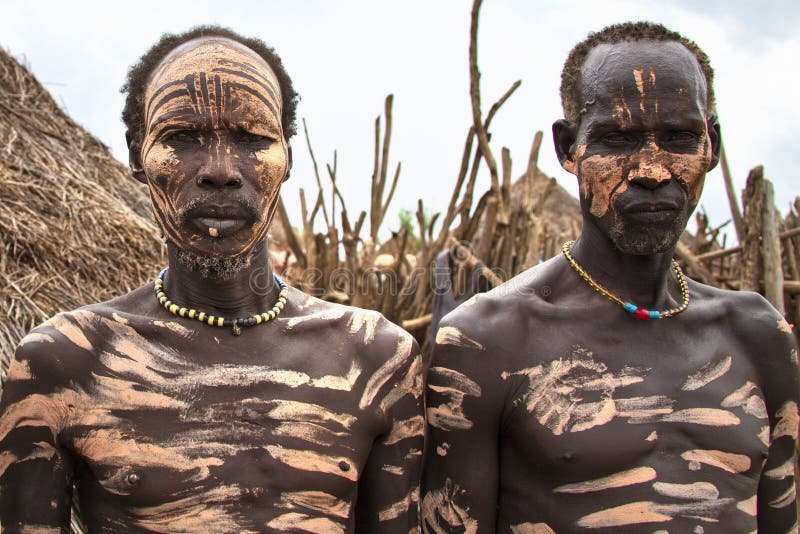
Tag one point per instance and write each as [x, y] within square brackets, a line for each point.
[603, 391]
[214, 399]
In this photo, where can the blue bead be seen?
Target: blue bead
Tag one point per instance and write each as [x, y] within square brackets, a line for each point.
[630, 308]
[655, 315]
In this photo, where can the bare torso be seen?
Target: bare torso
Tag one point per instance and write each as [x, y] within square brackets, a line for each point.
[597, 422]
[170, 425]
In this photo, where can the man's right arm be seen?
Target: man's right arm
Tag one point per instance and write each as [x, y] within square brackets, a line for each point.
[35, 471]
[464, 402]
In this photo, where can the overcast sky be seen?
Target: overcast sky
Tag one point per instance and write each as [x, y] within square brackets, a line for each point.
[346, 56]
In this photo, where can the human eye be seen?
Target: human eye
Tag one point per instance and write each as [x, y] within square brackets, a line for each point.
[185, 137]
[253, 139]
[683, 138]
[617, 139]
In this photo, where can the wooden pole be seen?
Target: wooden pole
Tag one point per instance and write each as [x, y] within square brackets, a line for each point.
[736, 213]
[753, 199]
[771, 250]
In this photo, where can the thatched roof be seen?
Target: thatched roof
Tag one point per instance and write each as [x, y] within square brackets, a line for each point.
[74, 224]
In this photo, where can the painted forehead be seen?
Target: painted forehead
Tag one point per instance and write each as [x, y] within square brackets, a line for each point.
[208, 56]
[609, 67]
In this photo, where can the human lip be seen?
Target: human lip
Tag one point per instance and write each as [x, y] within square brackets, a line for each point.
[219, 227]
[649, 207]
[218, 221]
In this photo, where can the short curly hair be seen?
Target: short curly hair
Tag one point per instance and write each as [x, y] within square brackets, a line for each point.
[617, 33]
[138, 75]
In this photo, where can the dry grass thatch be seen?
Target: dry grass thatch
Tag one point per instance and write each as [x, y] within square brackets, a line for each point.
[74, 225]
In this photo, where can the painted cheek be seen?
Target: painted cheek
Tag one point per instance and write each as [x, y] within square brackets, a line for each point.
[601, 178]
[690, 170]
[571, 165]
[162, 169]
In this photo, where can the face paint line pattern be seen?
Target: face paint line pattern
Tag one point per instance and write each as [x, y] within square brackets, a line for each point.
[382, 375]
[638, 475]
[707, 374]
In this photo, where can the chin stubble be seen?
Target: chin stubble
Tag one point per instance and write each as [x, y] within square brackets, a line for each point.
[214, 268]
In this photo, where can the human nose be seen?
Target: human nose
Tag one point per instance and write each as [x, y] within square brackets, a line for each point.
[219, 170]
[650, 171]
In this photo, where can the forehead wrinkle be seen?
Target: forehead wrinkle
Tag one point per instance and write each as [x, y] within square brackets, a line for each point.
[607, 64]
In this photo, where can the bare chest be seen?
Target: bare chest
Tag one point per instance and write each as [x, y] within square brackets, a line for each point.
[168, 430]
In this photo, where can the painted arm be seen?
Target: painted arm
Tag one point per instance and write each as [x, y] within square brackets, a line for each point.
[461, 473]
[35, 472]
[777, 508]
[388, 488]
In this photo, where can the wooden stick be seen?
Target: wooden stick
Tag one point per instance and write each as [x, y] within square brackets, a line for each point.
[316, 174]
[475, 96]
[792, 287]
[714, 254]
[771, 250]
[417, 322]
[733, 201]
[753, 200]
[291, 237]
[699, 270]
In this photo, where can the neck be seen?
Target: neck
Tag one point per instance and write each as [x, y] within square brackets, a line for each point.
[250, 291]
[640, 279]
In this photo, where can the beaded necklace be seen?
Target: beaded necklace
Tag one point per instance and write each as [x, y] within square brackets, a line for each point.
[234, 324]
[640, 313]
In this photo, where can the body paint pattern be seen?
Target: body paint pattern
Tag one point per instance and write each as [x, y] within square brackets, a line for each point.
[454, 387]
[442, 512]
[554, 393]
[293, 442]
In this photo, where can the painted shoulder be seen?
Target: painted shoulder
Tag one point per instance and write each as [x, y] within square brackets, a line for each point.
[365, 331]
[521, 301]
[58, 353]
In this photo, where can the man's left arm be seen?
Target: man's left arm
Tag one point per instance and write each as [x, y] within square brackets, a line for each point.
[388, 489]
[777, 510]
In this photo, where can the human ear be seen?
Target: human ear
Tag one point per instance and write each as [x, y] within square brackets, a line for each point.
[564, 135]
[135, 158]
[289, 163]
[716, 141]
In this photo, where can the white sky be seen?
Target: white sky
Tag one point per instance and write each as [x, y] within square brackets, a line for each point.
[345, 56]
